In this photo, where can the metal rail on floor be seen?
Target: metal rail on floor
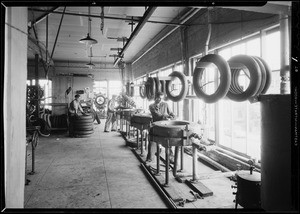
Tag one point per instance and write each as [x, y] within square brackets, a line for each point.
[161, 191]
[155, 182]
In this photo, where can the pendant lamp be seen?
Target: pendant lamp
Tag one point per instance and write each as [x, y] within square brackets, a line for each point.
[88, 40]
[90, 64]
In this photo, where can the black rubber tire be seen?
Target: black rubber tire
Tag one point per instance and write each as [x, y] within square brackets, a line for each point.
[85, 118]
[225, 79]
[184, 88]
[157, 85]
[127, 89]
[255, 78]
[83, 136]
[83, 126]
[162, 86]
[97, 118]
[142, 90]
[150, 89]
[103, 100]
[263, 75]
[268, 75]
[83, 132]
[131, 90]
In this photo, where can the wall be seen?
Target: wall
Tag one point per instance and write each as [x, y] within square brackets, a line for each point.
[168, 51]
[14, 114]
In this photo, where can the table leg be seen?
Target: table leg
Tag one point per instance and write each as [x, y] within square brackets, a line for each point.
[157, 159]
[167, 165]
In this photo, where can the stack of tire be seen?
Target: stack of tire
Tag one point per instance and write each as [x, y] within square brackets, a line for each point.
[83, 126]
[59, 121]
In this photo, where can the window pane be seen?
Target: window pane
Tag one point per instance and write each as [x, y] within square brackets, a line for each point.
[273, 50]
[253, 47]
[239, 116]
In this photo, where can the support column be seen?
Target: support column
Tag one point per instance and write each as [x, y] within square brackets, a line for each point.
[14, 102]
[284, 55]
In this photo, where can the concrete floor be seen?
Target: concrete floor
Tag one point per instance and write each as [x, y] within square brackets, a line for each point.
[102, 172]
[95, 172]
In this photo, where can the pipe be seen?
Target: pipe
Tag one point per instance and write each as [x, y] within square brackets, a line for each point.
[209, 32]
[284, 53]
[107, 17]
[58, 32]
[39, 19]
[137, 29]
[190, 14]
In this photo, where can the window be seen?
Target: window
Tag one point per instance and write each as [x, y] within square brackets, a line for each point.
[100, 87]
[240, 122]
[107, 88]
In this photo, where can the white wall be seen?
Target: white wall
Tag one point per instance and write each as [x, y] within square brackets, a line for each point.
[15, 75]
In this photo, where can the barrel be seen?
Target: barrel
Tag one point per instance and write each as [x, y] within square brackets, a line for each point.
[83, 126]
[248, 189]
[276, 152]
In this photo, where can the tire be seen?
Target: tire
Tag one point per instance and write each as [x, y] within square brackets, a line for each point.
[83, 127]
[83, 132]
[85, 118]
[255, 78]
[162, 86]
[184, 88]
[97, 118]
[263, 75]
[100, 100]
[131, 91]
[142, 90]
[225, 79]
[163, 89]
[150, 89]
[83, 136]
[268, 75]
[157, 85]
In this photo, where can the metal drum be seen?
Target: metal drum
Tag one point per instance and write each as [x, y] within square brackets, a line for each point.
[248, 189]
[173, 131]
[141, 120]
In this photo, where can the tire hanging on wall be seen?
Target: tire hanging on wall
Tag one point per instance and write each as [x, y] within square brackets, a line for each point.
[225, 78]
[157, 85]
[131, 91]
[184, 88]
[263, 74]
[150, 88]
[163, 89]
[100, 100]
[254, 73]
[268, 75]
[142, 90]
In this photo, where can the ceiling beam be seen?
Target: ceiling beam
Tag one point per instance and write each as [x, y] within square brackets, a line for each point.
[40, 18]
[137, 29]
[268, 8]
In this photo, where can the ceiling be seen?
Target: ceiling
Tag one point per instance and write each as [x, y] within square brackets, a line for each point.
[116, 32]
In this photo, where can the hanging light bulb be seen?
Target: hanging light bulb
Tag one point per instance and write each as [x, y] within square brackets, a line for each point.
[88, 40]
[90, 64]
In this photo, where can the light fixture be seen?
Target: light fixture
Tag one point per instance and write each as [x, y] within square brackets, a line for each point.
[90, 64]
[88, 40]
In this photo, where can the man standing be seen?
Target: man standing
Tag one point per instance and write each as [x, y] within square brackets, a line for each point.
[111, 119]
[160, 111]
